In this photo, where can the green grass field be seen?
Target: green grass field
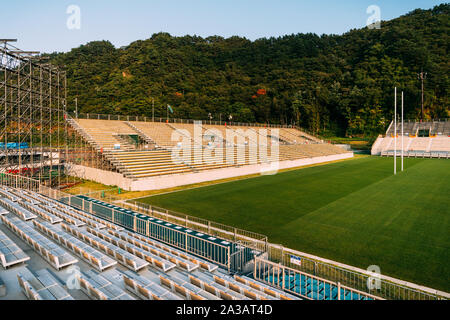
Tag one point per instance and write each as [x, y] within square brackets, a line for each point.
[355, 212]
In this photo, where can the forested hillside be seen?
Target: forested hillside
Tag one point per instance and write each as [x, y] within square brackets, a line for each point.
[330, 84]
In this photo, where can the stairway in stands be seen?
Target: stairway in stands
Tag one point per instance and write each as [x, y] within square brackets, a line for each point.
[83, 133]
[150, 142]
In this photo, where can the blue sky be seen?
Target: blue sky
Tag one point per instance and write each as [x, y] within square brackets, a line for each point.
[41, 24]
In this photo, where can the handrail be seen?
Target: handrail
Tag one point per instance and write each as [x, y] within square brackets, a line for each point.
[95, 116]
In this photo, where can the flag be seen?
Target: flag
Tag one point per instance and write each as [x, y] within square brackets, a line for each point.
[170, 108]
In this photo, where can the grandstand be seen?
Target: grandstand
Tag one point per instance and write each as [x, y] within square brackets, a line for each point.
[144, 153]
[56, 246]
[130, 258]
[420, 139]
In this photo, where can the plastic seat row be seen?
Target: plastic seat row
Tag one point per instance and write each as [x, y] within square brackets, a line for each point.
[234, 286]
[317, 289]
[7, 194]
[23, 196]
[28, 290]
[77, 212]
[133, 237]
[69, 219]
[23, 213]
[87, 220]
[95, 258]
[10, 253]
[98, 287]
[42, 286]
[263, 288]
[183, 288]
[123, 257]
[51, 252]
[146, 289]
[310, 287]
[75, 217]
[3, 211]
[44, 214]
[39, 198]
[204, 282]
[2, 288]
[179, 261]
[152, 259]
[93, 220]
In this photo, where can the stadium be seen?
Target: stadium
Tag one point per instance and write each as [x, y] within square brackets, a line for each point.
[209, 209]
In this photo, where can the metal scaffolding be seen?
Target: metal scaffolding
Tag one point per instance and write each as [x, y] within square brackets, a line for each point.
[32, 100]
[37, 138]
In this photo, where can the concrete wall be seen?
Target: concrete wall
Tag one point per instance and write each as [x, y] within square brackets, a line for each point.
[101, 176]
[170, 181]
[346, 147]
[376, 147]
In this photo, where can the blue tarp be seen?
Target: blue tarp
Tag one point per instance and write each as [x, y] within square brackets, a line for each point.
[14, 145]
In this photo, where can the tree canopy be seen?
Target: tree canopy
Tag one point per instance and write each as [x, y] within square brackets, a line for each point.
[330, 84]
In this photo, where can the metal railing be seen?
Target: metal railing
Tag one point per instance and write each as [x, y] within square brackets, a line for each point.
[93, 116]
[251, 239]
[349, 276]
[306, 285]
[20, 182]
[389, 288]
[208, 250]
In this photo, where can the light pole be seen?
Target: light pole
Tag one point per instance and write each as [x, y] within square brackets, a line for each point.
[422, 76]
[76, 108]
[153, 109]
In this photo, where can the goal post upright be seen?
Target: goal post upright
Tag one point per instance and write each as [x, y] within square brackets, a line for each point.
[403, 137]
[395, 131]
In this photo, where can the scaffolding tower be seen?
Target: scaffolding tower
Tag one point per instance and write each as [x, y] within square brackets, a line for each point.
[33, 104]
[33, 131]
[38, 137]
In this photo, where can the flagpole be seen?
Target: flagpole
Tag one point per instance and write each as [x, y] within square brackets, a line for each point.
[395, 132]
[153, 109]
[402, 133]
